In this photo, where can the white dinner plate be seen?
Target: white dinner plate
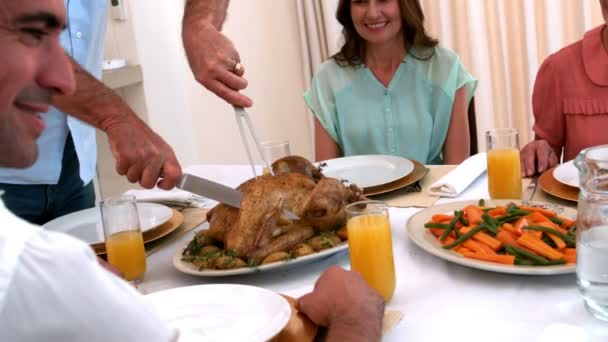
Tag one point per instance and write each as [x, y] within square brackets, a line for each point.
[425, 240]
[189, 268]
[368, 170]
[222, 312]
[567, 173]
[86, 224]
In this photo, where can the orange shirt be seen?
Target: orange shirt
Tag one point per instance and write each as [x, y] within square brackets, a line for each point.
[570, 99]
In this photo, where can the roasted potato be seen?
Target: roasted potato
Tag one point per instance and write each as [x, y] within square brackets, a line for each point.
[209, 249]
[325, 241]
[229, 262]
[203, 238]
[276, 256]
[206, 261]
[342, 233]
[302, 250]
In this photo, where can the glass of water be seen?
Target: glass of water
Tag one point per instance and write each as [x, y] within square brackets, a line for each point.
[592, 230]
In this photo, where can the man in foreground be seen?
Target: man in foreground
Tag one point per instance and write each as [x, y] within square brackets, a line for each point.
[61, 181]
[51, 287]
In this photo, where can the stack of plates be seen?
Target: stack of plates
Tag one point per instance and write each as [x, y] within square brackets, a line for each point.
[561, 181]
[375, 174]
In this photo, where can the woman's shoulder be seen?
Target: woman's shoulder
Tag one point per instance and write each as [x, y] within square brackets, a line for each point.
[334, 74]
[437, 66]
[565, 57]
[445, 55]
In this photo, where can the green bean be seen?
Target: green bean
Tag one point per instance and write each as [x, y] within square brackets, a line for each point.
[512, 207]
[567, 239]
[465, 237]
[556, 220]
[572, 230]
[451, 225]
[436, 225]
[464, 221]
[491, 223]
[482, 202]
[522, 253]
[515, 214]
[524, 262]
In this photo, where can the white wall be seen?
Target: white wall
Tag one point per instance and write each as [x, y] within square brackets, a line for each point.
[201, 127]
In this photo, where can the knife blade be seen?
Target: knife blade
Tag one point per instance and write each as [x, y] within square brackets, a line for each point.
[530, 190]
[218, 192]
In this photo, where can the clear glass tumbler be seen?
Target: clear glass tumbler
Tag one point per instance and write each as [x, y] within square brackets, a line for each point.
[504, 171]
[273, 150]
[124, 240]
[370, 245]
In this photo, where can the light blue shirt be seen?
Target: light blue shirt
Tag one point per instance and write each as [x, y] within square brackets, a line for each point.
[83, 40]
[409, 118]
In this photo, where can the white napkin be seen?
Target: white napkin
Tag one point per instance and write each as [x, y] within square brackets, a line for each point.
[174, 196]
[452, 184]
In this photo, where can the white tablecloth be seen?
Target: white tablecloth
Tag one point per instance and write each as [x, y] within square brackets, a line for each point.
[441, 301]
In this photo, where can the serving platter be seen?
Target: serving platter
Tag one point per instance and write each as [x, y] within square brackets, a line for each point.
[425, 240]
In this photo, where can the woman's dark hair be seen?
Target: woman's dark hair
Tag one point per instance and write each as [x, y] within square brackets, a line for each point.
[415, 36]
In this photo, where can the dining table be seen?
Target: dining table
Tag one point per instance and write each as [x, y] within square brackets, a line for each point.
[439, 300]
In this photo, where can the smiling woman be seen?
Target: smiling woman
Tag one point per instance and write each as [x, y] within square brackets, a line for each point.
[372, 22]
[391, 89]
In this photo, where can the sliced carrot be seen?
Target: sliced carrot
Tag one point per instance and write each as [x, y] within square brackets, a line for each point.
[539, 246]
[484, 238]
[498, 211]
[478, 247]
[570, 258]
[436, 231]
[537, 217]
[507, 237]
[520, 224]
[552, 225]
[441, 217]
[448, 240]
[510, 239]
[462, 250]
[559, 243]
[473, 213]
[509, 227]
[567, 223]
[498, 258]
[569, 251]
[546, 212]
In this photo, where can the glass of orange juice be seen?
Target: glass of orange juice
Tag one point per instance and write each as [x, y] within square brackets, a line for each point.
[504, 172]
[370, 245]
[124, 240]
[274, 150]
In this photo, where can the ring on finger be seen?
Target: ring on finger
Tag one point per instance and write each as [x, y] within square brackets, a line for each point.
[238, 67]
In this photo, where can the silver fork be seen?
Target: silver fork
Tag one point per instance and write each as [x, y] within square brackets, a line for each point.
[242, 115]
[530, 190]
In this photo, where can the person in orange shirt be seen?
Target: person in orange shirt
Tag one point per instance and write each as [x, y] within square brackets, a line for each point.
[570, 101]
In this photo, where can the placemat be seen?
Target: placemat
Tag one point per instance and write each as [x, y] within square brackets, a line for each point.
[409, 197]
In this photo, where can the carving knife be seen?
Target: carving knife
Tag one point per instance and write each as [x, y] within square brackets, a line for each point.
[218, 192]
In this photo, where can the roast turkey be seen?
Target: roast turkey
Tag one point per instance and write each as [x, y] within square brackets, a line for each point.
[260, 228]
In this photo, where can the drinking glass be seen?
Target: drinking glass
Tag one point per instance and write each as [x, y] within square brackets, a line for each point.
[504, 171]
[370, 245]
[592, 230]
[273, 150]
[124, 240]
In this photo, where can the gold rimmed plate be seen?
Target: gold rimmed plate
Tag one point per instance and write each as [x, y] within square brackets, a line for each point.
[154, 234]
[553, 187]
[417, 174]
